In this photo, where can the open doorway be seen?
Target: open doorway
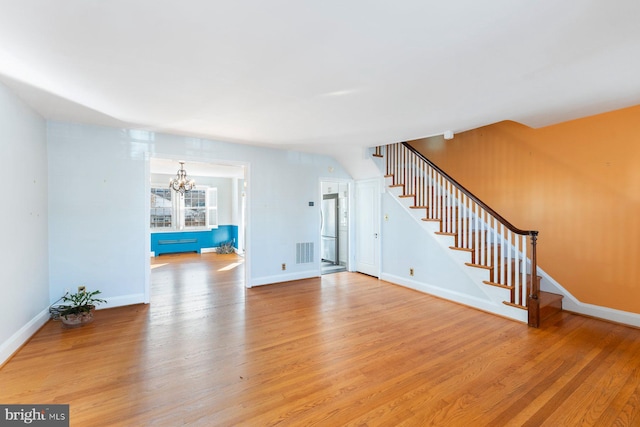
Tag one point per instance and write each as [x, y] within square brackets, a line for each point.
[204, 223]
[334, 239]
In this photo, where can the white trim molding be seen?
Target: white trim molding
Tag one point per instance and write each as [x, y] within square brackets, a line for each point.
[17, 340]
[270, 280]
[572, 304]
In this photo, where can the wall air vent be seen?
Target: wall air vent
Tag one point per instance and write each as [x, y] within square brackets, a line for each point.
[304, 253]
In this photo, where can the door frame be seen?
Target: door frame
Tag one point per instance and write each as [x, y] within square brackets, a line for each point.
[246, 224]
[336, 197]
[373, 235]
[350, 220]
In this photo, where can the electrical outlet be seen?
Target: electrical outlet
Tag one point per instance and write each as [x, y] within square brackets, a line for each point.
[411, 272]
[284, 266]
[81, 288]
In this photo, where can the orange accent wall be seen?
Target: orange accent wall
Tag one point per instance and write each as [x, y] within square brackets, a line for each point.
[577, 183]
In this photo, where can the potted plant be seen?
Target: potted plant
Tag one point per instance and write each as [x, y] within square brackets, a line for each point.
[226, 247]
[80, 308]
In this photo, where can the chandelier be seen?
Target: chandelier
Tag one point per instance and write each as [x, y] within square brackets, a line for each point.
[181, 183]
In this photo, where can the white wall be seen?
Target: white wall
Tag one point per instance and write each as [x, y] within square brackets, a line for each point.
[97, 196]
[437, 269]
[432, 267]
[98, 222]
[23, 247]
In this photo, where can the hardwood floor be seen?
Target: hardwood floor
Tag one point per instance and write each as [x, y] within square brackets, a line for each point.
[344, 349]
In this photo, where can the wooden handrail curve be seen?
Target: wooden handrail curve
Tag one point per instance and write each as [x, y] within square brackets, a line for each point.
[470, 195]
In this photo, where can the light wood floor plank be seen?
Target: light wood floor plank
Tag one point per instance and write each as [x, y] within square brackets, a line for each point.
[344, 349]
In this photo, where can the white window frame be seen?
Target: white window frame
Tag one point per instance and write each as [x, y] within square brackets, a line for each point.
[173, 216]
[212, 208]
[184, 209]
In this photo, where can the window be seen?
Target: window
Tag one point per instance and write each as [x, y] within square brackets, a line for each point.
[196, 209]
[161, 208]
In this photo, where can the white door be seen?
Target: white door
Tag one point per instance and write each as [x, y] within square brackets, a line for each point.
[368, 227]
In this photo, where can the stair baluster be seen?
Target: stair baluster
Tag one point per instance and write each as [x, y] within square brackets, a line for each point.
[494, 243]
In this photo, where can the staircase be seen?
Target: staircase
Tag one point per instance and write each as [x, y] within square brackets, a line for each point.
[484, 241]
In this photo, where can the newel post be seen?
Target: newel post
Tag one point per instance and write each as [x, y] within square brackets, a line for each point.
[533, 301]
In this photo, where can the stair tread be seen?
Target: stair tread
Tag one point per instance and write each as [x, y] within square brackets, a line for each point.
[545, 298]
[498, 285]
[486, 267]
[548, 297]
[455, 248]
[511, 304]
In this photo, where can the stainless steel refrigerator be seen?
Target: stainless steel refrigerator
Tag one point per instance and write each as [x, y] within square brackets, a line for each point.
[329, 213]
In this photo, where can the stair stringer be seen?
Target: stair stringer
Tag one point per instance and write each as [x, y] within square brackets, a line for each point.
[445, 282]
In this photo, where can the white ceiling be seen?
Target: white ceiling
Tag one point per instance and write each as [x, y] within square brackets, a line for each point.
[320, 76]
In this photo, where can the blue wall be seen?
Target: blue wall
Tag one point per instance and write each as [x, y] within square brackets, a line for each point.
[193, 241]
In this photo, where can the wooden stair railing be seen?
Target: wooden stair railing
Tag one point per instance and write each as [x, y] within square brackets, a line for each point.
[493, 242]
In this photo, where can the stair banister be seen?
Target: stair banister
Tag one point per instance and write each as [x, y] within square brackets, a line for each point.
[533, 303]
[534, 291]
[470, 194]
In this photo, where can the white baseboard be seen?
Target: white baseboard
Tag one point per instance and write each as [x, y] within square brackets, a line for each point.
[17, 340]
[122, 301]
[468, 300]
[605, 313]
[571, 303]
[270, 280]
